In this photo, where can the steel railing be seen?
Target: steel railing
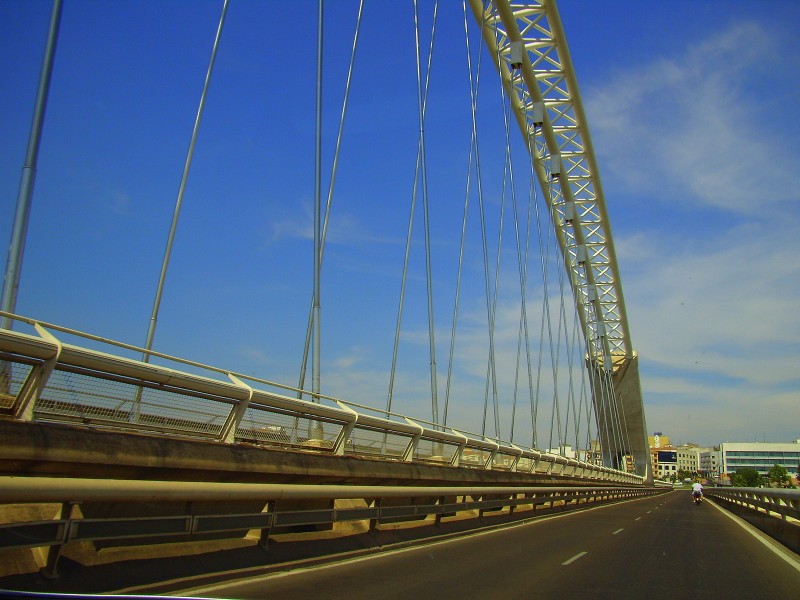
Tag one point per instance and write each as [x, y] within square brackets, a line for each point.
[44, 378]
[777, 502]
[422, 502]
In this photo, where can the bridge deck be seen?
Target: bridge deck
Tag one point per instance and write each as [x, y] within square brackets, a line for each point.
[658, 547]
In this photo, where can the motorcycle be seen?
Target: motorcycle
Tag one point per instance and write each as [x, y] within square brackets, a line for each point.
[697, 497]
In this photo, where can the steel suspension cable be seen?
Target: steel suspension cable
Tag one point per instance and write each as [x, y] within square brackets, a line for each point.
[615, 422]
[522, 266]
[608, 397]
[546, 316]
[534, 157]
[426, 219]
[583, 404]
[568, 348]
[575, 409]
[331, 186]
[490, 374]
[423, 101]
[316, 306]
[598, 398]
[556, 361]
[484, 246]
[182, 188]
[473, 104]
[532, 199]
[624, 425]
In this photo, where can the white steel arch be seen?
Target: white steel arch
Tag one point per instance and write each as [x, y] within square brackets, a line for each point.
[565, 163]
[536, 70]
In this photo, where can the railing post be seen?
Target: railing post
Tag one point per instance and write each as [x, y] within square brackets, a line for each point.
[456, 460]
[347, 429]
[50, 570]
[263, 540]
[490, 461]
[411, 449]
[516, 458]
[228, 433]
[37, 379]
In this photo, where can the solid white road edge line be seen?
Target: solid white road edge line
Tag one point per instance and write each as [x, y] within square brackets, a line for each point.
[761, 537]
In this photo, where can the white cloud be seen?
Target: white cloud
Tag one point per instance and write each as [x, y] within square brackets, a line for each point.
[711, 296]
[689, 129]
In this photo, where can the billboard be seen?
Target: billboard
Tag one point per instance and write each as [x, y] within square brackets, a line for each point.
[667, 456]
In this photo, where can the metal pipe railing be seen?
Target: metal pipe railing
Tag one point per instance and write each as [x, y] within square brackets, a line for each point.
[782, 502]
[222, 409]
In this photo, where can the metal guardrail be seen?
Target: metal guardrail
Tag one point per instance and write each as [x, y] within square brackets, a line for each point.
[423, 502]
[46, 379]
[778, 502]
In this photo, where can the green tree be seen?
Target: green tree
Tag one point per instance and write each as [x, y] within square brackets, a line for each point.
[746, 477]
[779, 475]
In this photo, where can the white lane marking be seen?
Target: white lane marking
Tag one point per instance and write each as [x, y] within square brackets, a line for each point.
[617, 531]
[759, 536]
[258, 577]
[637, 518]
[574, 558]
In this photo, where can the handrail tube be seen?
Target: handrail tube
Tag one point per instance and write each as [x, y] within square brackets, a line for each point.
[434, 435]
[480, 444]
[381, 424]
[242, 396]
[100, 361]
[26, 345]
[285, 403]
[26, 490]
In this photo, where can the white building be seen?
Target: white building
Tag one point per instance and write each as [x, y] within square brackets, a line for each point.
[761, 456]
[689, 457]
[711, 463]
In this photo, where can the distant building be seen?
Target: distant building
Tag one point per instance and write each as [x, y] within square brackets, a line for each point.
[761, 456]
[711, 463]
[630, 463]
[658, 440]
[564, 450]
[664, 461]
[663, 456]
[689, 457]
[594, 454]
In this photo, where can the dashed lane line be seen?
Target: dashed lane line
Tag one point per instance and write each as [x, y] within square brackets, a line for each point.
[617, 531]
[574, 558]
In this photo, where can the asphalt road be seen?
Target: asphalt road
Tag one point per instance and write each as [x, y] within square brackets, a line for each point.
[662, 547]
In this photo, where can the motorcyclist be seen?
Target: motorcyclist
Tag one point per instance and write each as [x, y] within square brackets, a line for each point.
[697, 491]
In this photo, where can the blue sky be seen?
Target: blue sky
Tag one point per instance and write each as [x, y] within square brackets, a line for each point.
[692, 110]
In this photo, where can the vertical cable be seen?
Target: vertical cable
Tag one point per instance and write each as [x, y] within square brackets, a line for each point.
[182, 188]
[417, 168]
[473, 107]
[162, 277]
[484, 245]
[331, 185]
[315, 360]
[426, 224]
[19, 232]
